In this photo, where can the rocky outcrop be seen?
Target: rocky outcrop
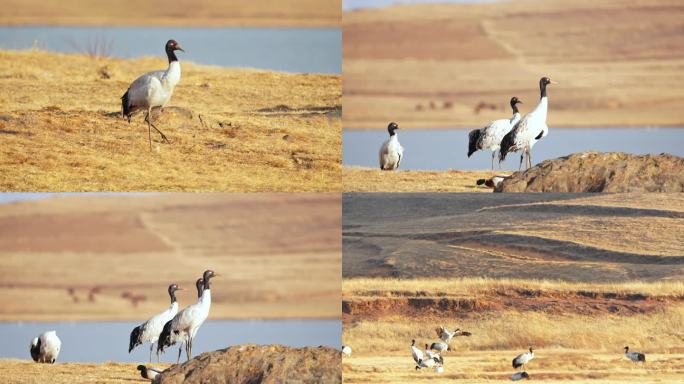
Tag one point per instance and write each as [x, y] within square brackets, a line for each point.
[601, 172]
[252, 364]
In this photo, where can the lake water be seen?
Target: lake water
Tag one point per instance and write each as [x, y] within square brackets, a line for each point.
[301, 50]
[348, 5]
[440, 149]
[108, 341]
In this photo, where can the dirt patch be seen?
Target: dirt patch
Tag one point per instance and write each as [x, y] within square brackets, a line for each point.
[259, 364]
[601, 172]
[580, 303]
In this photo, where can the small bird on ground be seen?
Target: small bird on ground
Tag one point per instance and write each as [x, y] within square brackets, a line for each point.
[346, 350]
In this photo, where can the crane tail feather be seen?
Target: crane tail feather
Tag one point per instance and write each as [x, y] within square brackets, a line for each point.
[135, 338]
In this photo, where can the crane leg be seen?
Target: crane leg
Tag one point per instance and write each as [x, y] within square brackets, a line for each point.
[179, 353]
[151, 346]
[529, 158]
[149, 131]
[493, 153]
[521, 160]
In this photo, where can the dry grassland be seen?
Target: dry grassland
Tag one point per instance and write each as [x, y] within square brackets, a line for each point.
[357, 179]
[230, 129]
[278, 255]
[432, 65]
[182, 13]
[28, 372]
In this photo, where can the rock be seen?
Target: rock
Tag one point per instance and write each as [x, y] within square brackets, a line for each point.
[246, 364]
[601, 172]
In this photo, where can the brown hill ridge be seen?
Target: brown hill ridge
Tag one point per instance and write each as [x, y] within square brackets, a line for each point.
[601, 172]
[258, 364]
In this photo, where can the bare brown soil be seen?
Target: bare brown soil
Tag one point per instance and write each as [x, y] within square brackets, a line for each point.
[111, 257]
[182, 13]
[617, 63]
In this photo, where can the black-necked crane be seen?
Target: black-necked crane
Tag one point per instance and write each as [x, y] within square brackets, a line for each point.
[490, 136]
[520, 376]
[446, 336]
[153, 90]
[149, 331]
[391, 151]
[530, 129]
[421, 360]
[635, 356]
[440, 347]
[184, 326]
[148, 372]
[45, 348]
[523, 359]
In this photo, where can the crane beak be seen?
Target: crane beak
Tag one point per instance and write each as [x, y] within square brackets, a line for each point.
[178, 47]
[180, 289]
[553, 82]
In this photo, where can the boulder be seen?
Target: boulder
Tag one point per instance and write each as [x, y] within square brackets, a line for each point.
[600, 172]
[252, 364]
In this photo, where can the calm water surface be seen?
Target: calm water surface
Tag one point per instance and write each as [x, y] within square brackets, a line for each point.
[312, 50]
[440, 149]
[108, 341]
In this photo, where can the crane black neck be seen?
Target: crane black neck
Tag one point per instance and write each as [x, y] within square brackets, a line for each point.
[172, 293]
[171, 55]
[515, 110]
[542, 88]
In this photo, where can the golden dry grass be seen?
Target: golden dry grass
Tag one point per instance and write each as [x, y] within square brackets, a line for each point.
[184, 13]
[431, 65]
[233, 130]
[278, 255]
[357, 179]
[550, 366]
[27, 372]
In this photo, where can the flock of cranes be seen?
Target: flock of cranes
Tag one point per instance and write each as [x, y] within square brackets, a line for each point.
[432, 356]
[165, 329]
[516, 134]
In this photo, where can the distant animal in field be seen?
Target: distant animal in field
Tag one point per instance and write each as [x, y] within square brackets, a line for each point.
[446, 336]
[523, 359]
[493, 181]
[346, 350]
[148, 372]
[45, 348]
[148, 332]
[529, 130]
[153, 90]
[520, 376]
[490, 136]
[635, 356]
[391, 151]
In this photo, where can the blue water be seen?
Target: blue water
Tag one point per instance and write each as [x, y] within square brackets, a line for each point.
[108, 341]
[440, 149]
[301, 50]
[356, 4]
